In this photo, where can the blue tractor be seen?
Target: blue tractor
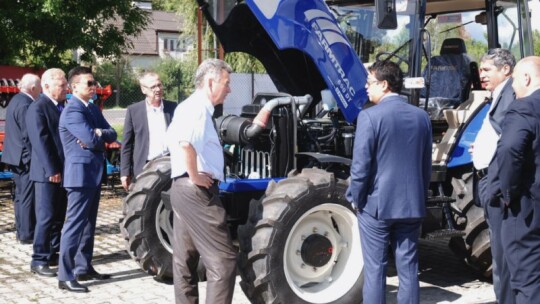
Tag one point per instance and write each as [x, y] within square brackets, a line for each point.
[297, 235]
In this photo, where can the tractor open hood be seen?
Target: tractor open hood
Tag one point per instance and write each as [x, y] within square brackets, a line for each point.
[300, 46]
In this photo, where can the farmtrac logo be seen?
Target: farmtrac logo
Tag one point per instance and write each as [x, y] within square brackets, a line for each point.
[328, 34]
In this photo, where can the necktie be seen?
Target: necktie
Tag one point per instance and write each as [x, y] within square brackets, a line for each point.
[60, 106]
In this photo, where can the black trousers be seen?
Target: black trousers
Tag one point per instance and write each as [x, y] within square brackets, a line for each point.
[494, 217]
[200, 229]
[25, 217]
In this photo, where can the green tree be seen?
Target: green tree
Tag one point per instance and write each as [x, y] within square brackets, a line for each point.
[43, 33]
[120, 75]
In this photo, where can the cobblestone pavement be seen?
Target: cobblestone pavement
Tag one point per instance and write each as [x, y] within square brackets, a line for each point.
[444, 279]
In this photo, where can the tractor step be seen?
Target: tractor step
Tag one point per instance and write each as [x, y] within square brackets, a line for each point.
[444, 233]
[439, 200]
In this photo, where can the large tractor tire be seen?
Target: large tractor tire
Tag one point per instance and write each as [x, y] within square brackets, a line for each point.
[147, 223]
[301, 243]
[474, 247]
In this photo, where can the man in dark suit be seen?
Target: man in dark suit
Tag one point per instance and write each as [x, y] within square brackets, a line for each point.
[16, 154]
[83, 132]
[518, 157]
[390, 175]
[46, 168]
[495, 73]
[144, 126]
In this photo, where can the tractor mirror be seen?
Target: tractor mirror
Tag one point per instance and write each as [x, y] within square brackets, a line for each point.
[386, 14]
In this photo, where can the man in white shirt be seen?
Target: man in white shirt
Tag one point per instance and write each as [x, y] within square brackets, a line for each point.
[144, 128]
[197, 162]
[495, 73]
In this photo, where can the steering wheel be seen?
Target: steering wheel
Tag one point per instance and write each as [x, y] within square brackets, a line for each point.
[388, 55]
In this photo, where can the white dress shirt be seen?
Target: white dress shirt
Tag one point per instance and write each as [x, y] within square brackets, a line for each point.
[157, 145]
[193, 123]
[486, 140]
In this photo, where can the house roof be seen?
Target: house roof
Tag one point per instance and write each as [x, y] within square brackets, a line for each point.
[164, 22]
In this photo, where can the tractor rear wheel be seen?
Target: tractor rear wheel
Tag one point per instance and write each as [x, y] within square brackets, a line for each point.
[474, 247]
[147, 224]
[301, 243]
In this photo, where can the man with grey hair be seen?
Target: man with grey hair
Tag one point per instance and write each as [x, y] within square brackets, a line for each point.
[495, 73]
[16, 154]
[145, 123]
[197, 162]
[46, 169]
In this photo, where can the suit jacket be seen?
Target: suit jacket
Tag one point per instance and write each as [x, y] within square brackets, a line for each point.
[391, 167]
[17, 149]
[83, 166]
[42, 120]
[496, 117]
[136, 137]
[500, 106]
[518, 153]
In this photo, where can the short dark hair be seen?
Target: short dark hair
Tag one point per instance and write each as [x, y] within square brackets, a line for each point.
[389, 71]
[500, 57]
[76, 71]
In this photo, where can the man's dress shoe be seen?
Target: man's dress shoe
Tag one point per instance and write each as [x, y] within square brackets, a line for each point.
[93, 276]
[43, 270]
[72, 286]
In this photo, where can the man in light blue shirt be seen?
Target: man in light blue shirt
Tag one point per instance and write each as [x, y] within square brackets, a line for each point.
[200, 227]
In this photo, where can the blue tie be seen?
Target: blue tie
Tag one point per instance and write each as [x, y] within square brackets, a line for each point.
[60, 106]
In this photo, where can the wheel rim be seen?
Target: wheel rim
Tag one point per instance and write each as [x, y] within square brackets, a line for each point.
[164, 227]
[326, 281]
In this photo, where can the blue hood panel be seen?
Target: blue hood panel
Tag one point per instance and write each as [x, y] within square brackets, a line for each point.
[310, 27]
[301, 47]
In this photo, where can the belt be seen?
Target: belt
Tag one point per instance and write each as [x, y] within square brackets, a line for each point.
[187, 175]
[482, 173]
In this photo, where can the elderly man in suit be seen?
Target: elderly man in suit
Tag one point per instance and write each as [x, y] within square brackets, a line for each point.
[46, 170]
[495, 73]
[144, 127]
[16, 154]
[390, 175]
[83, 132]
[518, 157]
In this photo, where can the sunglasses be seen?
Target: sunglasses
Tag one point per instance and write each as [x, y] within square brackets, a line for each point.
[91, 83]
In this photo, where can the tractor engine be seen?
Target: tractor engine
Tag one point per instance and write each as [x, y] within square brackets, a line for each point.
[263, 141]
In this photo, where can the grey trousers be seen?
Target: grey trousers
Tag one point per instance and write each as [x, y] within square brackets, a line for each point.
[200, 229]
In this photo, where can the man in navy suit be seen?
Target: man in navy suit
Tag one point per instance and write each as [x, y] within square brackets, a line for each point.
[518, 157]
[145, 124]
[16, 154]
[46, 168]
[83, 132]
[390, 175]
[495, 73]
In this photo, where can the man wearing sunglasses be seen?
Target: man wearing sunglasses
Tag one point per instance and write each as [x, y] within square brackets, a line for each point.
[84, 132]
[146, 122]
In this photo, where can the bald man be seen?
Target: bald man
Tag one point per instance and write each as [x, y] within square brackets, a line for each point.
[16, 155]
[518, 157]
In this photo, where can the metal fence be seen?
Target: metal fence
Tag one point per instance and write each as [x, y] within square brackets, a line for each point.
[243, 89]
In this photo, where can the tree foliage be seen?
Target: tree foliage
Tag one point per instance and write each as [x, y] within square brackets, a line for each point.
[43, 33]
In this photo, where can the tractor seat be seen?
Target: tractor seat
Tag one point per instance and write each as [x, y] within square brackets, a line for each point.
[450, 83]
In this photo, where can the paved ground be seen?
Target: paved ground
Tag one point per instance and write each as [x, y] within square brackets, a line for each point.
[444, 278]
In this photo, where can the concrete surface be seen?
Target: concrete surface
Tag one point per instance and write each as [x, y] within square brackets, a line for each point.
[444, 279]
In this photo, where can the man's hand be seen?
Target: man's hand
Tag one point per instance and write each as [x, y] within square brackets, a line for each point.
[81, 144]
[202, 179]
[57, 178]
[126, 181]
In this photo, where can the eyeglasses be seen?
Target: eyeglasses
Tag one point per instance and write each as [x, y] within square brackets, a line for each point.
[154, 87]
[91, 83]
[370, 82]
